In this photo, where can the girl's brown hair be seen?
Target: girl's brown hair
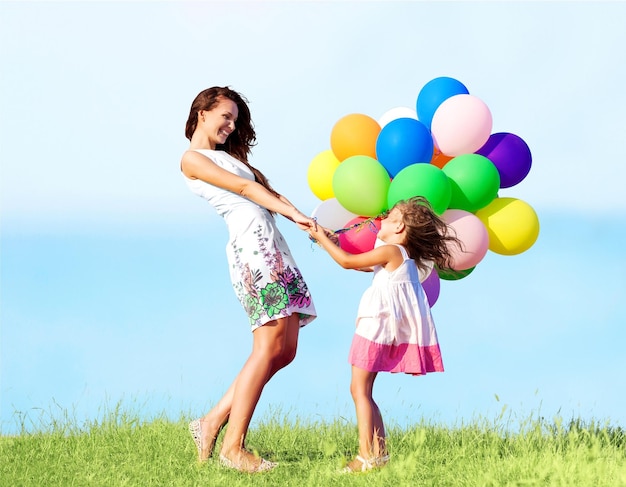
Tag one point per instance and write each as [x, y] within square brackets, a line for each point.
[428, 237]
[239, 143]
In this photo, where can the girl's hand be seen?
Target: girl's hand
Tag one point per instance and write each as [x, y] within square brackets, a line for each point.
[323, 233]
[315, 231]
[333, 237]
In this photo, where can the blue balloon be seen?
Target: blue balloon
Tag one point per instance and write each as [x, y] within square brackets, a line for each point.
[402, 142]
[434, 93]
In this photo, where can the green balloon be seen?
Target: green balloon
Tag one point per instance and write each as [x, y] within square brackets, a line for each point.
[360, 184]
[452, 275]
[474, 181]
[421, 179]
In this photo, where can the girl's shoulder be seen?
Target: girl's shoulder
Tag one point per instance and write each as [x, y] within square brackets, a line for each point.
[402, 249]
[390, 256]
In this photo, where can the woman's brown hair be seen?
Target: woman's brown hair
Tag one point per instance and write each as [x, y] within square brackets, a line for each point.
[240, 142]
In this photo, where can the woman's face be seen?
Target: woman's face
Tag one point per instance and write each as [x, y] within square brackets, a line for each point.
[219, 122]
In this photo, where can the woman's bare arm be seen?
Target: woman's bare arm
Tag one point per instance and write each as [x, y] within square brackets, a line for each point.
[198, 166]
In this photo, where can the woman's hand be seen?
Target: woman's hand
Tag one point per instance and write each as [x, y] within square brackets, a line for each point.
[304, 222]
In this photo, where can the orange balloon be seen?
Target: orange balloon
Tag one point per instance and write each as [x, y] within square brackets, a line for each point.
[354, 135]
[439, 159]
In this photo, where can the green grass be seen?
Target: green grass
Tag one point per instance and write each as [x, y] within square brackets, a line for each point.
[123, 450]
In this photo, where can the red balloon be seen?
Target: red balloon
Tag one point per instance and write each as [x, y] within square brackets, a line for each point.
[360, 238]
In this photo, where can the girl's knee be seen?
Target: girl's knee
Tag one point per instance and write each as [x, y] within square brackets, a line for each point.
[357, 391]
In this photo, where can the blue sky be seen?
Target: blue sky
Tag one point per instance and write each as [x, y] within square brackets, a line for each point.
[113, 282]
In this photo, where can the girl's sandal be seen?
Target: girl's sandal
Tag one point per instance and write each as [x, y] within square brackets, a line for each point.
[380, 461]
[365, 465]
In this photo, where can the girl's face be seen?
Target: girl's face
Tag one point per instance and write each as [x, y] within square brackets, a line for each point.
[390, 224]
[219, 122]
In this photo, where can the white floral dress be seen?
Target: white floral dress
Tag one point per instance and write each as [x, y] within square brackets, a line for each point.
[263, 272]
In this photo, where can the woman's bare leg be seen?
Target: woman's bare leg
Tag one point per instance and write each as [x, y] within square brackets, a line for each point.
[212, 422]
[218, 416]
[274, 347]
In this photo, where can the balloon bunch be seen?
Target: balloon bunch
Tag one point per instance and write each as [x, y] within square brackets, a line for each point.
[444, 151]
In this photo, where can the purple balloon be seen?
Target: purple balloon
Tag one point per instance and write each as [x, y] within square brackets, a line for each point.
[432, 286]
[511, 156]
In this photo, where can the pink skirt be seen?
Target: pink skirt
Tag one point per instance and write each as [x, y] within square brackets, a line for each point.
[408, 358]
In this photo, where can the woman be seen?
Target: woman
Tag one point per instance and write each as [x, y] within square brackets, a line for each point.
[263, 273]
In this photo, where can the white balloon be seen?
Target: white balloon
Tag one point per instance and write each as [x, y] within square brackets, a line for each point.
[332, 215]
[398, 112]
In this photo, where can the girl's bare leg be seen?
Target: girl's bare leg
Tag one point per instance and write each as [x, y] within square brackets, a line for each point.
[371, 429]
[379, 440]
[274, 347]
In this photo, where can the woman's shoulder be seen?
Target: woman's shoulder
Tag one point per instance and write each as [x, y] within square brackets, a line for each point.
[205, 152]
[216, 156]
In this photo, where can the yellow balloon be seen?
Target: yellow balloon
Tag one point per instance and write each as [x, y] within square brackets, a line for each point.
[320, 174]
[512, 224]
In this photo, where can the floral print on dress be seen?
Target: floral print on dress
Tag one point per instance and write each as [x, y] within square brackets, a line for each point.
[285, 292]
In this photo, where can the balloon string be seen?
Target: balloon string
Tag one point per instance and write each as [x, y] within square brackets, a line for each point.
[369, 222]
[356, 226]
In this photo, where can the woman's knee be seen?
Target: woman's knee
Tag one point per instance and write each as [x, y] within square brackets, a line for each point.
[286, 355]
[276, 342]
[277, 352]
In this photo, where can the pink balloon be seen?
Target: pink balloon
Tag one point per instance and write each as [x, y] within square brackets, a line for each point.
[432, 286]
[461, 125]
[472, 233]
[360, 239]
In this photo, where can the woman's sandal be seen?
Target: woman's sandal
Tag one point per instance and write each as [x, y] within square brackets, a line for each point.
[195, 428]
[264, 466]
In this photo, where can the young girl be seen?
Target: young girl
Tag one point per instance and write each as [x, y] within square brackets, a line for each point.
[394, 326]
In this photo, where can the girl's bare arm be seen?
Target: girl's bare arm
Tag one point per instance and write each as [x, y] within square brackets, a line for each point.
[388, 256]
